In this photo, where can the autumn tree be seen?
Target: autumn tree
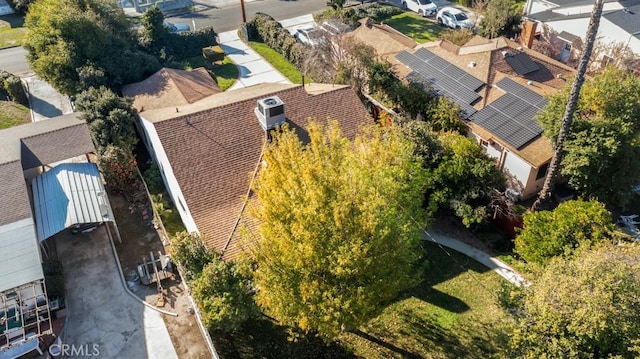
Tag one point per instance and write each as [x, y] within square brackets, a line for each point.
[601, 151]
[583, 308]
[339, 226]
[63, 36]
[547, 234]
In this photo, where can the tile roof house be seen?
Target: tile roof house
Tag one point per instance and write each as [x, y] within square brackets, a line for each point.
[171, 87]
[209, 150]
[567, 22]
[29, 153]
[499, 86]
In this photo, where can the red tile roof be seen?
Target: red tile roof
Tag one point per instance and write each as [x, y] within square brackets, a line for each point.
[213, 153]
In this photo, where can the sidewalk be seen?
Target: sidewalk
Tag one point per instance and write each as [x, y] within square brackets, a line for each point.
[252, 67]
[493, 263]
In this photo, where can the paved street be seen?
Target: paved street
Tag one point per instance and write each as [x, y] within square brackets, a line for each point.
[14, 60]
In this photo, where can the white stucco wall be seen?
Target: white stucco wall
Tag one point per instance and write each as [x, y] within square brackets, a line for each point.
[155, 148]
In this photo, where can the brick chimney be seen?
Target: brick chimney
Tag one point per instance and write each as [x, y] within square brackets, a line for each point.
[528, 33]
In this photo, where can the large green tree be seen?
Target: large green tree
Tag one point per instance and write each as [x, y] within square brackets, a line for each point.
[547, 234]
[501, 18]
[65, 35]
[583, 308]
[601, 151]
[339, 226]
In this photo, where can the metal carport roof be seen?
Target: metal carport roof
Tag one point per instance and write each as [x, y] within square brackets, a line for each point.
[68, 194]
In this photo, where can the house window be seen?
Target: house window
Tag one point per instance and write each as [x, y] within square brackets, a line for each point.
[606, 61]
[484, 143]
[181, 205]
[542, 171]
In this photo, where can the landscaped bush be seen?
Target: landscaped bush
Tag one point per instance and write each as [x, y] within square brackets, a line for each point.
[213, 53]
[153, 179]
[11, 86]
[264, 28]
[190, 43]
[351, 15]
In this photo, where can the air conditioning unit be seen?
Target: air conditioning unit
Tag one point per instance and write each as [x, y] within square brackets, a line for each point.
[270, 112]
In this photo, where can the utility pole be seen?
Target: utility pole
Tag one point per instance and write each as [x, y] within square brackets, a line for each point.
[244, 15]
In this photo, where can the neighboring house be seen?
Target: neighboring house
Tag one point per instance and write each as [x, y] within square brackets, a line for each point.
[499, 87]
[210, 150]
[386, 40]
[171, 87]
[565, 23]
[62, 194]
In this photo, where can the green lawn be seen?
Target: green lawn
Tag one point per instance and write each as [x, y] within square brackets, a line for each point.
[226, 74]
[278, 61]
[414, 26]
[11, 30]
[13, 114]
[452, 314]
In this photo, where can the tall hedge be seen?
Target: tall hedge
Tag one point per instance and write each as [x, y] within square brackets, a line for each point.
[264, 28]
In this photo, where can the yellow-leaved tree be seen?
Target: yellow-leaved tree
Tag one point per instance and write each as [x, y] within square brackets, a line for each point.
[339, 226]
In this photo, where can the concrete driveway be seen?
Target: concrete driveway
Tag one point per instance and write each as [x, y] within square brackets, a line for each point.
[45, 101]
[100, 311]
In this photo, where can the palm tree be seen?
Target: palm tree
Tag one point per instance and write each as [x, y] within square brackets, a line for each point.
[544, 196]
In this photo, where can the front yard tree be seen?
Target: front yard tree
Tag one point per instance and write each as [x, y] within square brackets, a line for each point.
[501, 18]
[583, 308]
[602, 150]
[339, 226]
[154, 34]
[547, 234]
[65, 35]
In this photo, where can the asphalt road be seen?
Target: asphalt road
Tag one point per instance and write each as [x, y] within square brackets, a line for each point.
[14, 60]
[229, 16]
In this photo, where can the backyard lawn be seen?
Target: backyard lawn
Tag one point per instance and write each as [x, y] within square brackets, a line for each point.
[414, 26]
[226, 74]
[13, 114]
[452, 314]
[11, 30]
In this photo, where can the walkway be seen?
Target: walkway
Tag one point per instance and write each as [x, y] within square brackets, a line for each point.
[253, 68]
[493, 263]
[45, 101]
[100, 311]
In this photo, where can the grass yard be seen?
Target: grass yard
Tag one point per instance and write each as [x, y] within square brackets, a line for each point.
[11, 30]
[453, 314]
[414, 26]
[278, 61]
[13, 114]
[226, 74]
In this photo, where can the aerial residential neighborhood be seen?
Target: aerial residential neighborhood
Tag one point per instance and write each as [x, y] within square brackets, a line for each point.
[319, 179]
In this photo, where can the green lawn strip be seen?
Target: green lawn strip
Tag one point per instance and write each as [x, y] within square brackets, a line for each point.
[11, 30]
[226, 74]
[168, 214]
[452, 314]
[415, 27]
[13, 114]
[278, 61]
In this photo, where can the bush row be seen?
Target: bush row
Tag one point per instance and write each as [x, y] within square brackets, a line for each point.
[351, 15]
[264, 28]
[11, 86]
[188, 44]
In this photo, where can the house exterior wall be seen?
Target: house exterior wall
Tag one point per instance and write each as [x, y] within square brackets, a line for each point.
[155, 148]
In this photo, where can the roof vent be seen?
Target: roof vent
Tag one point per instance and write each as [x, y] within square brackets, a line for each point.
[270, 112]
[471, 64]
[505, 54]
[530, 83]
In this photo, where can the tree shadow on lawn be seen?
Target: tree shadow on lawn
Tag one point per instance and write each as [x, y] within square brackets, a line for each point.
[262, 338]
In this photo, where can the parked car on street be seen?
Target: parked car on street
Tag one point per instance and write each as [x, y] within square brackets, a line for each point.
[176, 28]
[454, 18]
[334, 27]
[422, 7]
[309, 36]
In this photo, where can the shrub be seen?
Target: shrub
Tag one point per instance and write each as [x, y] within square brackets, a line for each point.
[118, 168]
[189, 251]
[12, 87]
[189, 44]
[153, 179]
[264, 28]
[213, 53]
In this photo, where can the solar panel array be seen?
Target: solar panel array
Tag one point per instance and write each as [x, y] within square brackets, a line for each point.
[446, 78]
[521, 63]
[511, 116]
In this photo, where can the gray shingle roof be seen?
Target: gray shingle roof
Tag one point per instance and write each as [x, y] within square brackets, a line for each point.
[628, 19]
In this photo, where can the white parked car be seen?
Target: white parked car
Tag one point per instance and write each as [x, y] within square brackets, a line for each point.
[422, 7]
[309, 36]
[454, 18]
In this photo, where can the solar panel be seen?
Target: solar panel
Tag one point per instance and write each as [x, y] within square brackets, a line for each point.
[454, 72]
[470, 82]
[508, 85]
[438, 62]
[424, 54]
[407, 59]
[521, 63]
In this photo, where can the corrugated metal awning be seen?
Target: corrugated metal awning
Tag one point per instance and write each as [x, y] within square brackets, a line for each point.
[68, 194]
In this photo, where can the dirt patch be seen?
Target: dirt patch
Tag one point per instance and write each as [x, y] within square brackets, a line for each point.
[139, 237]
